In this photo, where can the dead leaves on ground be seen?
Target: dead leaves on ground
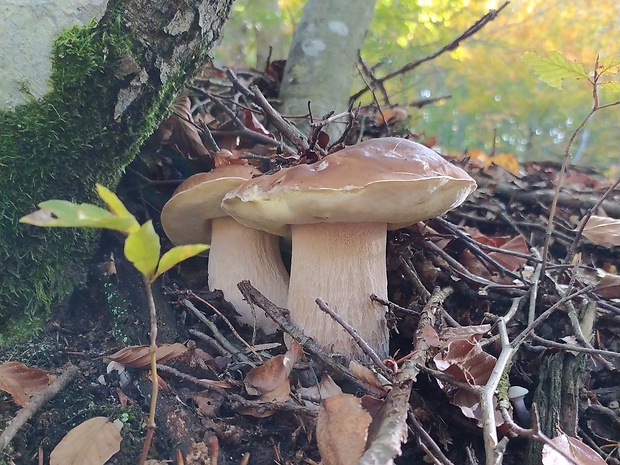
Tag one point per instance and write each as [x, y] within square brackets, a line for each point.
[602, 230]
[139, 356]
[92, 442]
[22, 382]
[342, 429]
[270, 381]
[575, 449]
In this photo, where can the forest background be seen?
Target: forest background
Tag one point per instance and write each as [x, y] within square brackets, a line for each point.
[495, 104]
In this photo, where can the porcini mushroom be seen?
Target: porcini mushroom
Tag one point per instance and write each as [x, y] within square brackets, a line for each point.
[339, 210]
[193, 215]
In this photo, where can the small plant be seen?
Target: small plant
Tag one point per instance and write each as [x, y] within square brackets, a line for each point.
[142, 248]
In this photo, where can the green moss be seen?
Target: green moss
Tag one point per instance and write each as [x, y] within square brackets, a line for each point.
[59, 147]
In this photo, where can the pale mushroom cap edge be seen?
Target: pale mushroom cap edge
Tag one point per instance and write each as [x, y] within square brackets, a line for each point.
[186, 217]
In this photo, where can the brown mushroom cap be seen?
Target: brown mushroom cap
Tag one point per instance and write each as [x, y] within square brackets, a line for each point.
[388, 180]
[186, 217]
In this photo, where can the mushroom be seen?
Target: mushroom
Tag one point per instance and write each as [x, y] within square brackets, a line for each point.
[193, 215]
[338, 211]
[516, 395]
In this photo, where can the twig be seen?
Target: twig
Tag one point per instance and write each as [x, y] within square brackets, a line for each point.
[412, 274]
[280, 316]
[427, 439]
[392, 431]
[596, 106]
[363, 69]
[534, 432]
[490, 16]
[211, 341]
[575, 348]
[286, 129]
[237, 402]
[474, 248]
[392, 306]
[229, 324]
[356, 337]
[36, 402]
[216, 333]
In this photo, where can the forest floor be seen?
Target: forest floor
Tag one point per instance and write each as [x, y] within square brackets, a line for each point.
[472, 301]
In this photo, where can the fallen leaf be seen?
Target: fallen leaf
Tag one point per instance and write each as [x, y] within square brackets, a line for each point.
[341, 430]
[464, 360]
[270, 380]
[208, 402]
[602, 230]
[368, 378]
[251, 122]
[138, 356]
[574, 448]
[449, 334]
[326, 388]
[507, 161]
[180, 132]
[23, 382]
[92, 442]
[511, 262]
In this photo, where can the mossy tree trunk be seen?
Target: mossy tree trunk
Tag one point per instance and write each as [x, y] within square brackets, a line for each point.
[111, 83]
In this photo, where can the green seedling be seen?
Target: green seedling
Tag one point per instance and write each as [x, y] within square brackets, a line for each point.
[142, 249]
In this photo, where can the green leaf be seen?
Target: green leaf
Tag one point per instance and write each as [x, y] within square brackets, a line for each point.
[142, 249]
[553, 69]
[65, 214]
[608, 66]
[177, 255]
[115, 205]
[611, 86]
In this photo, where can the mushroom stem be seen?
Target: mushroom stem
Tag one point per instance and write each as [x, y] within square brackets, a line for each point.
[239, 253]
[342, 263]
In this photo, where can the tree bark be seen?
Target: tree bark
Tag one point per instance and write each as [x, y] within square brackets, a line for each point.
[112, 82]
[321, 61]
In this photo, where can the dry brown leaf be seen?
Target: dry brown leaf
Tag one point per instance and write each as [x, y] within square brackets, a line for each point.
[368, 378]
[326, 388]
[507, 161]
[464, 360]
[138, 356]
[511, 262]
[208, 402]
[602, 230]
[180, 132]
[270, 381]
[450, 334]
[341, 430]
[574, 448]
[23, 382]
[90, 443]
[608, 287]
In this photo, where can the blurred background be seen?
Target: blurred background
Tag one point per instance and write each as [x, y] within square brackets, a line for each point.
[488, 98]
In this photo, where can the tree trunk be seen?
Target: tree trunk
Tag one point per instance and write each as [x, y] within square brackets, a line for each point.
[112, 82]
[321, 61]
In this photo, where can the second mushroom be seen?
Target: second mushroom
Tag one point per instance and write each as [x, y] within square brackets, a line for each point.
[193, 215]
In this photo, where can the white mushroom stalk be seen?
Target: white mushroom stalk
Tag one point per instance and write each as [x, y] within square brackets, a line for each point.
[238, 253]
[193, 215]
[338, 211]
[342, 263]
